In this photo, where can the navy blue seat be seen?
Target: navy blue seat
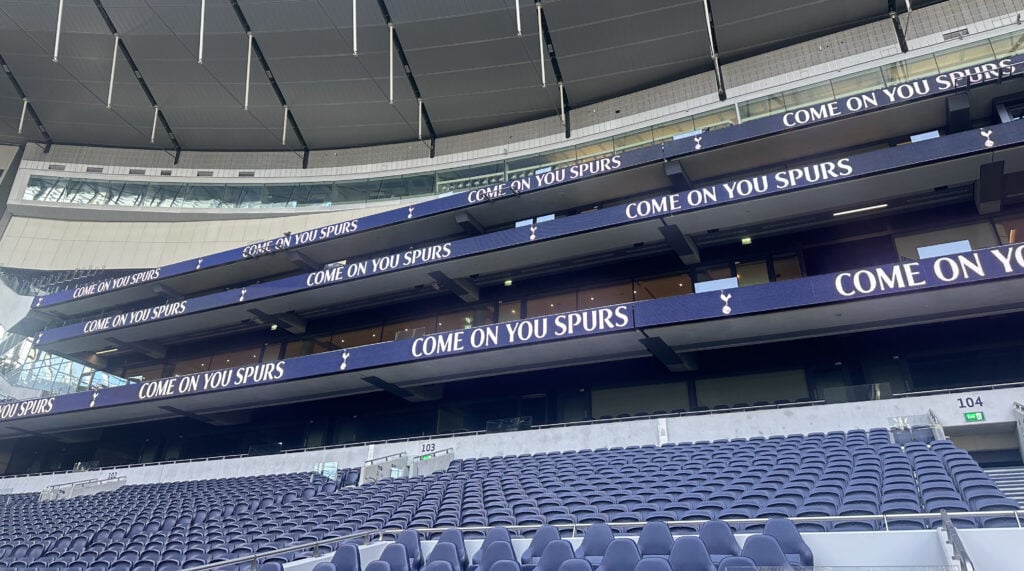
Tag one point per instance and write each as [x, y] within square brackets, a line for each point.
[690, 554]
[595, 542]
[495, 534]
[621, 555]
[410, 538]
[505, 565]
[736, 563]
[545, 535]
[555, 553]
[575, 565]
[719, 540]
[378, 565]
[496, 551]
[396, 556]
[346, 558]
[654, 564]
[454, 537]
[655, 540]
[447, 552]
[790, 541]
[438, 565]
[765, 551]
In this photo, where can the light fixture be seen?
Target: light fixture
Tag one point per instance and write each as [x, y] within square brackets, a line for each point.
[508, 283]
[273, 327]
[746, 240]
[858, 210]
[106, 351]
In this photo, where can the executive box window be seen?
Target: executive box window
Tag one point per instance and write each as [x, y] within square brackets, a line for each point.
[408, 329]
[551, 304]
[1010, 231]
[464, 319]
[509, 310]
[147, 373]
[605, 295]
[357, 337]
[666, 286]
[947, 240]
[235, 359]
[749, 389]
[752, 273]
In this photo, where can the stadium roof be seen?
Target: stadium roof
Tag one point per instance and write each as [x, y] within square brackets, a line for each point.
[470, 67]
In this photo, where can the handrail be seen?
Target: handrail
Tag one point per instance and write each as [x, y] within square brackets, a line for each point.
[953, 538]
[575, 527]
[951, 390]
[383, 458]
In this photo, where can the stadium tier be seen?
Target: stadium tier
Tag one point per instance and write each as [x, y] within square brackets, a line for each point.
[750, 484]
[659, 285]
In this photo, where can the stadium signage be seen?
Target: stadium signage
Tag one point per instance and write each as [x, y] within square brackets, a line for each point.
[880, 98]
[544, 328]
[790, 179]
[984, 265]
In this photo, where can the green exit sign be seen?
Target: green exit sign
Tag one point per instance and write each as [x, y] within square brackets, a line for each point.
[974, 416]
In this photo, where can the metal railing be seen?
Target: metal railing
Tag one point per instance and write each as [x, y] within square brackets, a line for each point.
[953, 538]
[368, 536]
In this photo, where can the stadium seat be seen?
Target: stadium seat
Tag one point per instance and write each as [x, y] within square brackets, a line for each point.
[396, 556]
[545, 535]
[410, 538]
[621, 555]
[689, 554]
[555, 553]
[595, 542]
[495, 534]
[495, 552]
[345, 558]
[719, 540]
[454, 537]
[790, 541]
[765, 551]
[655, 540]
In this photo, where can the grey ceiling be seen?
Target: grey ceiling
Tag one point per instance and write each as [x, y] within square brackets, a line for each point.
[472, 69]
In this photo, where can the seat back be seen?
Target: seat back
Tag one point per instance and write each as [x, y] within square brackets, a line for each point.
[765, 551]
[655, 539]
[621, 555]
[792, 543]
[595, 541]
[545, 535]
[690, 554]
[718, 538]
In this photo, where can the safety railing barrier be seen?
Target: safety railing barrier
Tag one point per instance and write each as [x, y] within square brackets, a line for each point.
[314, 548]
[953, 538]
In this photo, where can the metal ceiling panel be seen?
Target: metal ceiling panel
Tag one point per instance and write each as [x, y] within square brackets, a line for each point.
[746, 27]
[473, 71]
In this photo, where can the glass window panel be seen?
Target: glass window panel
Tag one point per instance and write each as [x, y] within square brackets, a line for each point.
[235, 358]
[714, 273]
[980, 235]
[203, 196]
[323, 344]
[664, 132]
[106, 191]
[470, 317]
[132, 194]
[858, 83]
[964, 56]
[509, 310]
[912, 68]
[631, 140]
[423, 185]
[250, 196]
[592, 151]
[355, 191]
[191, 366]
[554, 160]
[357, 338]
[409, 329]
[391, 188]
[810, 95]
[294, 349]
[549, 304]
[81, 191]
[165, 195]
[146, 373]
[762, 107]
[1010, 231]
[786, 267]
[277, 195]
[319, 194]
[716, 119]
[605, 295]
[300, 195]
[1008, 45]
[229, 195]
[665, 286]
[752, 273]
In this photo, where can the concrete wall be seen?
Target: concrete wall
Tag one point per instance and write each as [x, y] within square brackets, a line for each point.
[796, 420]
[894, 549]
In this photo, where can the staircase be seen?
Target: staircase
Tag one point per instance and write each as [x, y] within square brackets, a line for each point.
[1010, 481]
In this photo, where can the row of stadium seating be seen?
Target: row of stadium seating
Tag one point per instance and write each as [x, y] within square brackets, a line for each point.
[857, 474]
[779, 546]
